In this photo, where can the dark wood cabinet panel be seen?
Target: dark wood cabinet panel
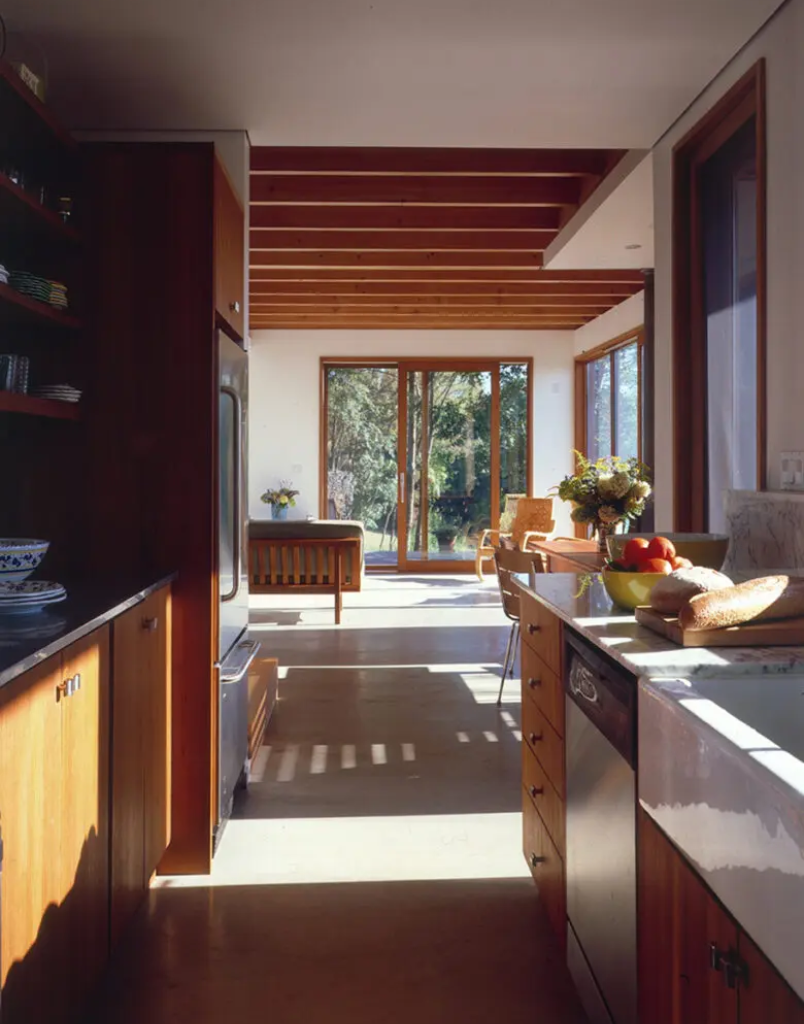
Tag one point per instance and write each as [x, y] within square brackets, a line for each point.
[546, 866]
[545, 743]
[544, 687]
[542, 632]
[764, 996]
[230, 240]
[157, 728]
[546, 800]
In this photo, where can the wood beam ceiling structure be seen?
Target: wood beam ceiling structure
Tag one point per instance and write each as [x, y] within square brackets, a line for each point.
[422, 238]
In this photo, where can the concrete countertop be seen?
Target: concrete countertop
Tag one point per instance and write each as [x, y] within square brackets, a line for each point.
[29, 638]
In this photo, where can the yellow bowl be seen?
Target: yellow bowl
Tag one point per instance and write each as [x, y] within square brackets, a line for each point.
[629, 589]
[704, 549]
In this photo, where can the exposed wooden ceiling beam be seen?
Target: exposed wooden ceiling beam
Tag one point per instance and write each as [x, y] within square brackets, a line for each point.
[392, 260]
[398, 160]
[384, 241]
[405, 323]
[493, 275]
[351, 309]
[259, 303]
[561, 291]
[404, 218]
[456, 191]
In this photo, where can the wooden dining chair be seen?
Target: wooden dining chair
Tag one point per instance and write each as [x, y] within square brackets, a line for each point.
[533, 521]
[510, 564]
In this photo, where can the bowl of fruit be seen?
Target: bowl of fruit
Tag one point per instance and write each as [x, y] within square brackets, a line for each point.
[702, 549]
[630, 578]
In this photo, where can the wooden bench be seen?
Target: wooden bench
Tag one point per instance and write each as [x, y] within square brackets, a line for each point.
[310, 565]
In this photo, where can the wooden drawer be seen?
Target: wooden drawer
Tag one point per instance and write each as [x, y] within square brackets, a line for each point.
[545, 798]
[541, 631]
[543, 687]
[545, 743]
[547, 868]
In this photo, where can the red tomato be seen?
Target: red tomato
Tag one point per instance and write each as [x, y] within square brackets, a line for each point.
[661, 547]
[680, 562]
[656, 565]
[635, 550]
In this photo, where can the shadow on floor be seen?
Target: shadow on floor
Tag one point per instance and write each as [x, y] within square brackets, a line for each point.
[478, 952]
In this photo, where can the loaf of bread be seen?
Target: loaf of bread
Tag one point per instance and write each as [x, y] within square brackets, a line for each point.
[672, 592]
[772, 597]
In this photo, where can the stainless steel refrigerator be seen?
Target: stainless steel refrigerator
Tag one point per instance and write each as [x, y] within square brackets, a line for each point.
[235, 650]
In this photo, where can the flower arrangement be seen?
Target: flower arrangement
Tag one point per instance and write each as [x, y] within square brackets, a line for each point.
[284, 497]
[606, 492]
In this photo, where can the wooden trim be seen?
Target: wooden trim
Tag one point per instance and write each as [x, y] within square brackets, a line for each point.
[402, 466]
[629, 281]
[323, 443]
[531, 420]
[312, 217]
[581, 531]
[626, 338]
[263, 240]
[744, 100]
[494, 448]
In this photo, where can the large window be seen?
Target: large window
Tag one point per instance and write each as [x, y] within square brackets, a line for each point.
[719, 306]
[610, 399]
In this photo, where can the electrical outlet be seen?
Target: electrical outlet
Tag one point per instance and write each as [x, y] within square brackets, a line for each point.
[792, 471]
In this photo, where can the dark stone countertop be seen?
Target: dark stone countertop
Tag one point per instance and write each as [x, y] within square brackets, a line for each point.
[29, 638]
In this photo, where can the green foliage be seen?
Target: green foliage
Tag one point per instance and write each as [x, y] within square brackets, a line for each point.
[607, 491]
[284, 495]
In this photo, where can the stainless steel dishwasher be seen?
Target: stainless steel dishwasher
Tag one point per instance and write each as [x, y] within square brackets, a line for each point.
[601, 749]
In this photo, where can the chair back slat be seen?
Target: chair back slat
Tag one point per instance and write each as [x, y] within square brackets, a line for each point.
[509, 564]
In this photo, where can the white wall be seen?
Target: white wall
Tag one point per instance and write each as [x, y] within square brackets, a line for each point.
[781, 43]
[616, 321]
[284, 399]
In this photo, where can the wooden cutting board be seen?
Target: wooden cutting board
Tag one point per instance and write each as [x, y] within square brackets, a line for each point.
[750, 634]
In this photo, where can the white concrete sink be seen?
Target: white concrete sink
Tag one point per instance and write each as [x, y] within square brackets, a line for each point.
[721, 769]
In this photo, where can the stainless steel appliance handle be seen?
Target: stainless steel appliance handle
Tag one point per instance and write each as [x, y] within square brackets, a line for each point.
[249, 647]
[581, 685]
[238, 510]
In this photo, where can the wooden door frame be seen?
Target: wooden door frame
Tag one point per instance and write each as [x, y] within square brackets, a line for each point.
[746, 99]
[402, 363]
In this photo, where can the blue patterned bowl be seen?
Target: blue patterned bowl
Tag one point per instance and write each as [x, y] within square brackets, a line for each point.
[19, 557]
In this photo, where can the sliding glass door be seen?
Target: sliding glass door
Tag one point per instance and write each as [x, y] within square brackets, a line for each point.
[424, 453]
[445, 476]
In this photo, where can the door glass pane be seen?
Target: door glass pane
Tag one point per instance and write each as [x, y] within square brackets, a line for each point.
[513, 430]
[458, 461]
[598, 411]
[362, 427]
[729, 211]
[626, 402]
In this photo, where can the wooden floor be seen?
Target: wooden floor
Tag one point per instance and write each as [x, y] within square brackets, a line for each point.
[373, 872]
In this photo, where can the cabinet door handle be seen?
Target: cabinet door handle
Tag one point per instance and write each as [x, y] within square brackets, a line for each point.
[534, 738]
[535, 791]
[62, 690]
[533, 683]
[536, 860]
[234, 306]
[533, 628]
[76, 681]
[150, 624]
[716, 958]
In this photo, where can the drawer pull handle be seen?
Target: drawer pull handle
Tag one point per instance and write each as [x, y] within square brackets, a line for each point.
[234, 307]
[533, 683]
[150, 624]
[535, 791]
[534, 738]
[536, 860]
[533, 628]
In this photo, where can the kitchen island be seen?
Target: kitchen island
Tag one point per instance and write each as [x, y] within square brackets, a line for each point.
[594, 835]
[85, 739]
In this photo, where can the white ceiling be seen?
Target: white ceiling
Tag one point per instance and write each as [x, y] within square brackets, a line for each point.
[595, 73]
[614, 228]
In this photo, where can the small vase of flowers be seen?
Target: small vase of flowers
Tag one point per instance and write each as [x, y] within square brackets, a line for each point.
[280, 500]
[606, 493]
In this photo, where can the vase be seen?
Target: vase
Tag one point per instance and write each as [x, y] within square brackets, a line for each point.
[279, 512]
[602, 531]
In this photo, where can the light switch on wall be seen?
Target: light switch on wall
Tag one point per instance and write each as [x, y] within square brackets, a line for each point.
[792, 471]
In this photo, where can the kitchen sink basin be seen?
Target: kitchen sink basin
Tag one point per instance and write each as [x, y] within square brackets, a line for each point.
[721, 770]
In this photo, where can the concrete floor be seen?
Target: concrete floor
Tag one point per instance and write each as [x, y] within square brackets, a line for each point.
[373, 872]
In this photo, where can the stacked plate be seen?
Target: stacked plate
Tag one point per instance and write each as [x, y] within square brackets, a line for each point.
[58, 295]
[29, 596]
[58, 392]
[29, 284]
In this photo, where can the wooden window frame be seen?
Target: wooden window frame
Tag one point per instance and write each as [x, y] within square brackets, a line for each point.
[746, 99]
[401, 363]
[608, 348]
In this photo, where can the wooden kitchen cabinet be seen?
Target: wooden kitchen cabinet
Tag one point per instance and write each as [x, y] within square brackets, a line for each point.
[696, 966]
[54, 819]
[141, 737]
[230, 267]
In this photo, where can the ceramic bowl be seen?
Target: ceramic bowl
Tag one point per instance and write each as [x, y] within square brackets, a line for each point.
[19, 557]
[629, 589]
[705, 549]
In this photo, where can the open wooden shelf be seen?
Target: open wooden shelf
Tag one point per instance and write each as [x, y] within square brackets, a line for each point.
[20, 210]
[28, 116]
[18, 308]
[10, 401]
